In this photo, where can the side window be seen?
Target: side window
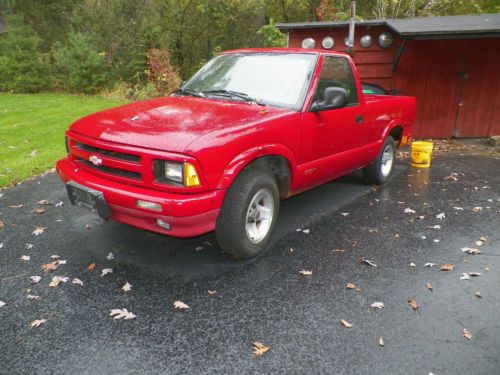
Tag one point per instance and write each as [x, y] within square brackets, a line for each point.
[336, 72]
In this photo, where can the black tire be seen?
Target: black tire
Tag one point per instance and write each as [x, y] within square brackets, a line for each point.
[377, 173]
[231, 227]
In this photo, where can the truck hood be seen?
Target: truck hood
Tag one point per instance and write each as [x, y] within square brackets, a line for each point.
[170, 123]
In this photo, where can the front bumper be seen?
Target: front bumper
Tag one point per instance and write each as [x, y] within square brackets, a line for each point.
[189, 215]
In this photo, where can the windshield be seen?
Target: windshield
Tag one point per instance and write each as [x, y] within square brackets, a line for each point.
[276, 79]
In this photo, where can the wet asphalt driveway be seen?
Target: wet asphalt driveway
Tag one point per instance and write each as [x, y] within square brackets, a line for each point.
[265, 299]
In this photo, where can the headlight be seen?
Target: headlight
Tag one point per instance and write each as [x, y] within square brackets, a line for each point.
[173, 172]
[178, 174]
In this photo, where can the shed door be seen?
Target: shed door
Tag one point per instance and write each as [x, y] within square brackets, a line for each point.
[479, 87]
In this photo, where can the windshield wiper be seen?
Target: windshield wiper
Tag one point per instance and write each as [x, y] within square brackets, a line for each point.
[189, 92]
[229, 93]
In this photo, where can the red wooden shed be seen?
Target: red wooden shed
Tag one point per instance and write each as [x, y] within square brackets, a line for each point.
[450, 64]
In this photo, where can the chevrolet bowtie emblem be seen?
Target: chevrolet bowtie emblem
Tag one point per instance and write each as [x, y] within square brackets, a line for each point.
[95, 160]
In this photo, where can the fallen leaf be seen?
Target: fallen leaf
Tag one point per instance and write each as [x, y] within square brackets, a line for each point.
[441, 216]
[37, 323]
[369, 262]
[33, 153]
[413, 304]
[198, 248]
[474, 274]
[110, 256]
[29, 246]
[16, 206]
[436, 227]
[2, 303]
[106, 271]
[31, 296]
[447, 267]
[44, 202]
[412, 264]
[212, 292]
[471, 251]
[39, 210]
[381, 341]
[259, 348]
[436, 240]
[61, 261]
[127, 287]
[429, 264]
[306, 273]
[1, 245]
[377, 305]
[54, 256]
[59, 204]
[77, 281]
[35, 279]
[429, 286]
[344, 214]
[350, 286]
[464, 277]
[25, 257]
[306, 231]
[39, 230]
[477, 209]
[180, 305]
[1, 224]
[52, 266]
[339, 250]
[478, 295]
[409, 211]
[56, 280]
[458, 208]
[122, 314]
[345, 323]
[91, 266]
[466, 334]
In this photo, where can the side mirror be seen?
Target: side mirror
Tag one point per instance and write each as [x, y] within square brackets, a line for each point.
[333, 97]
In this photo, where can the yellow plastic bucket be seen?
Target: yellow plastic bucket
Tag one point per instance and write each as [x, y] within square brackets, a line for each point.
[421, 154]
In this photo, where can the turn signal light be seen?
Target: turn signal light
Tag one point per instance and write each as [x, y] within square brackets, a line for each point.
[190, 176]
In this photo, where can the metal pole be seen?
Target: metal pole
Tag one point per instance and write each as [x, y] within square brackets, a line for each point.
[352, 21]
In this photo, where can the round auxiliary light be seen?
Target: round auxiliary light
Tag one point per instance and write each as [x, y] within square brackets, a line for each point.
[385, 40]
[308, 43]
[327, 42]
[366, 41]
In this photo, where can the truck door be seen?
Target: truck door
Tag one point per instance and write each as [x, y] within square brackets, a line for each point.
[330, 137]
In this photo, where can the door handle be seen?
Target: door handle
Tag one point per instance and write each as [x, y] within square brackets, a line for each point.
[359, 119]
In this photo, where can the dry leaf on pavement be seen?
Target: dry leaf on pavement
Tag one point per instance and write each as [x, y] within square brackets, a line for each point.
[110, 256]
[466, 334]
[52, 266]
[429, 286]
[412, 264]
[106, 271]
[39, 230]
[306, 273]
[345, 323]
[77, 281]
[350, 286]
[413, 304]
[447, 267]
[39, 210]
[377, 305]
[369, 262]
[35, 279]
[464, 276]
[180, 305]
[471, 251]
[259, 348]
[381, 341]
[56, 280]
[25, 257]
[212, 292]
[44, 202]
[91, 266]
[31, 296]
[127, 287]
[429, 264]
[441, 216]
[122, 314]
[2, 303]
[37, 323]
[478, 295]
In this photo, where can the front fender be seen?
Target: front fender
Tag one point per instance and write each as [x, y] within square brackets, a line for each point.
[243, 159]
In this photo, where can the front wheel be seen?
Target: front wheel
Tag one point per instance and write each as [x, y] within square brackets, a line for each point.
[248, 215]
[381, 169]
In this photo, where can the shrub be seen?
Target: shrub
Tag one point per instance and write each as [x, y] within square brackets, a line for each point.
[161, 73]
[23, 68]
[271, 36]
[81, 67]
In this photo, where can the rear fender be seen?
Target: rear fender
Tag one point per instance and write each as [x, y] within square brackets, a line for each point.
[246, 157]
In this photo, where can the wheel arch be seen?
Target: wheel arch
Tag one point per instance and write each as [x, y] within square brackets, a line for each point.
[279, 160]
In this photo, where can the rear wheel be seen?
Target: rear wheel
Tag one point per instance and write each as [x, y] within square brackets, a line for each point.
[380, 171]
[248, 215]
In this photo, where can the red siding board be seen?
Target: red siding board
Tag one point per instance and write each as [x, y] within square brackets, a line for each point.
[430, 71]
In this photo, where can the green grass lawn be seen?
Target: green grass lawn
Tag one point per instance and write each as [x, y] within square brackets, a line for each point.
[32, 130]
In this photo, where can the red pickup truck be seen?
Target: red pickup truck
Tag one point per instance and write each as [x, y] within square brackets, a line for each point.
[250, 128]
